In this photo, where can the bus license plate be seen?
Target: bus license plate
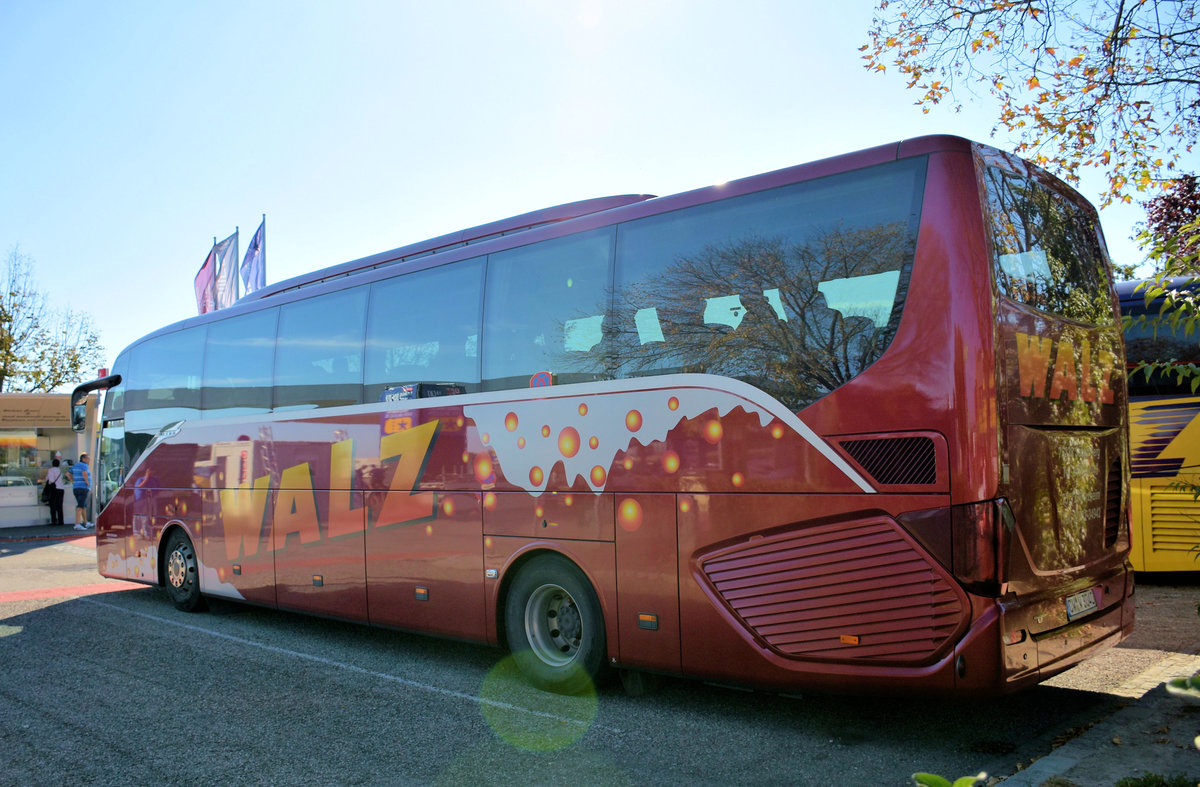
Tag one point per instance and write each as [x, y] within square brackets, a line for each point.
[1080, 604]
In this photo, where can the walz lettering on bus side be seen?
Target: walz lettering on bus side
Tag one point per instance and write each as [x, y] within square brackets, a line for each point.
[1070, 374]
[410, 450]
[243, 509]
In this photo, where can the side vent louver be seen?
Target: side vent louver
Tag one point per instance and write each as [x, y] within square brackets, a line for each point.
[896, 461]
[1112, 508]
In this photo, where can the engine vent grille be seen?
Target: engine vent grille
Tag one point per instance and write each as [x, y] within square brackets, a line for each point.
[896, 461]
[1112, 509]
[846, 592]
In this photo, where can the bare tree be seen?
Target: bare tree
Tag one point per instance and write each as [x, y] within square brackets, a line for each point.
[41, 348]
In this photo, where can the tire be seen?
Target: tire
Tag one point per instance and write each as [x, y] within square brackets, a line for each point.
[554, 626]
[181, 572]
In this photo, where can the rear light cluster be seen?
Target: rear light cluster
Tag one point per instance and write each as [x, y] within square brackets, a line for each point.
[972, 541]
[980, 537]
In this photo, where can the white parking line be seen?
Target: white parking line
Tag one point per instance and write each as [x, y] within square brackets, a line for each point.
[412, 684]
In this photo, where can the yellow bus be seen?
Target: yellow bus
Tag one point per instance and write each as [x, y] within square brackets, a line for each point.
[1164, 445]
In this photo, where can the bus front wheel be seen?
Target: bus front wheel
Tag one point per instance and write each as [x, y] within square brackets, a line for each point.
[182, 571]
[554, 626]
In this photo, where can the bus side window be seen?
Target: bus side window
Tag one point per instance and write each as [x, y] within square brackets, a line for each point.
[545, 311]
[424, 327]
[318, 357]
[164, 384]
[238, 364]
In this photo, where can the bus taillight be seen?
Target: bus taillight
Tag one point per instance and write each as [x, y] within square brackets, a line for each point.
[981, 534]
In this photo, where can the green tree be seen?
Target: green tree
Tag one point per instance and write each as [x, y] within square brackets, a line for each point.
[1111, 84]
[1171, 220]
[41, 348]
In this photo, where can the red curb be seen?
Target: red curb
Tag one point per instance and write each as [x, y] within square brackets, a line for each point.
[76, 590]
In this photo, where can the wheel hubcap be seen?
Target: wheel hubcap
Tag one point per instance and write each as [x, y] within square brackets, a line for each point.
[554, 625]
[177, 568]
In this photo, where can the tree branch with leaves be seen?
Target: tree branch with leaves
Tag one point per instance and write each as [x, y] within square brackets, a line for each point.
[1111, 84]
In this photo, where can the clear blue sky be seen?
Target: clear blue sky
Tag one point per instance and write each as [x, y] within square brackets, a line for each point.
[135, 132]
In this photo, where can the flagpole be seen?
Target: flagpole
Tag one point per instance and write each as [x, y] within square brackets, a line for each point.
[212, 285]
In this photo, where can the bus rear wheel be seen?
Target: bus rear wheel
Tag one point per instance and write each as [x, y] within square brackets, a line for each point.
[182, 573]
[554, 626]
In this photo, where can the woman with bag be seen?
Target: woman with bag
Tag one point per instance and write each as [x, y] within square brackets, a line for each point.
[57, 489]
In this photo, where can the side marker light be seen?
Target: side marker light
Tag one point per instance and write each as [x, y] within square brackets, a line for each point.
[648, 621]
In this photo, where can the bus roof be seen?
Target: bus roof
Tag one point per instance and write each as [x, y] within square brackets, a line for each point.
[1129, 293]
[492, 229]
[626, 206]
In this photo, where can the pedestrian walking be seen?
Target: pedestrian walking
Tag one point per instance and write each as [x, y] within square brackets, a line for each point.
[82, 475]
[58, 489]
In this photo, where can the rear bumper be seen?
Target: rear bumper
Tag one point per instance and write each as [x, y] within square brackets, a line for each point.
[1038, 641]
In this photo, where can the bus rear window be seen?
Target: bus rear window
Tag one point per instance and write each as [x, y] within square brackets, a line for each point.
[1047, 249]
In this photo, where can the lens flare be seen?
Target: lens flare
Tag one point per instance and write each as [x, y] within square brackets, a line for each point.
[510, 422]
[713, 431]
[670, 462]
[558, 721]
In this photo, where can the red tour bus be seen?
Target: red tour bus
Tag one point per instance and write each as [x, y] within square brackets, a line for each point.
[854, 425]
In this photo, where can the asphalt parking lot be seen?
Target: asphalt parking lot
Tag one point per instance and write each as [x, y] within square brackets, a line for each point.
[107, 683]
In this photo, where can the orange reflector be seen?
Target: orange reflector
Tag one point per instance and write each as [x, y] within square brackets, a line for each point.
[648, 621]
[849, 639]
[422, 594]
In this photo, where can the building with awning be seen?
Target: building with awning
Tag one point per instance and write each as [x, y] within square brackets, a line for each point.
[34, 429]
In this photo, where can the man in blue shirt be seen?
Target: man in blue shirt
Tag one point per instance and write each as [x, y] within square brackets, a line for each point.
[82, 476]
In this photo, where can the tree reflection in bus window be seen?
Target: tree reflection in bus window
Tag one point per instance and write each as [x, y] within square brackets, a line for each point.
[795, 290]
[1047, 249]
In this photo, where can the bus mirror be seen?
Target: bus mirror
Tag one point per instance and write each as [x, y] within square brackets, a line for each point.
[79, 416]
[79, 399]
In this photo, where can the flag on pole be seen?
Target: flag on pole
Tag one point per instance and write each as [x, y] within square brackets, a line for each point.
[254, 267]
[205, 280]
[227, 278]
